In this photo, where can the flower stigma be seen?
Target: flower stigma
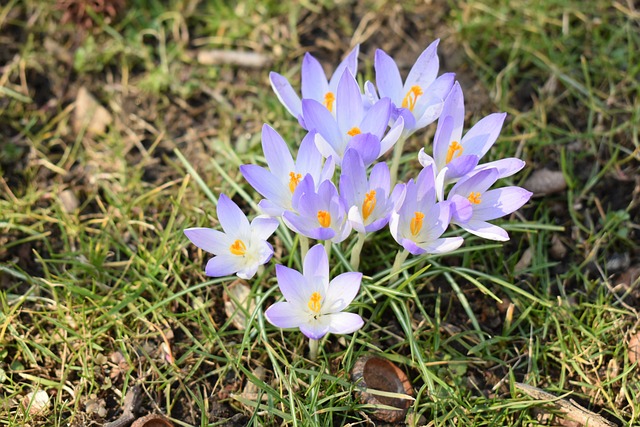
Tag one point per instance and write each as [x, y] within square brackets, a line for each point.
[474, 198]
[354, 131]
[416, 223]
[454, 148]
[294, 180]
[238, 248]
[410, 99]
[369, 204]
[314, 303]
[324, 218]
[329, 97]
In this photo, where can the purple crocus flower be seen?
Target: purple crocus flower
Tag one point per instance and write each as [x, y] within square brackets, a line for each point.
[352, 126]
[454, 156]
[314, 84]
[419, 221]
[278, 183]
[320, 214]
[241, 247]
[368, 202]
[313, 303]
[473, 204]
[420, 99]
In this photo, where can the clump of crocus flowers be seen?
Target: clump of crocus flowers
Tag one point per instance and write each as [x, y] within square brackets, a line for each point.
[339, 185]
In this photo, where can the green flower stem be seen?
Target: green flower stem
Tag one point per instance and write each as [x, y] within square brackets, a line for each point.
[327, 248]
[313, 349]
[355, 252]
[395, 162]
[304, 246]
[401, 256]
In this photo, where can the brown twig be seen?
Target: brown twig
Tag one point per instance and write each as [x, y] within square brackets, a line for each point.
[129, 407]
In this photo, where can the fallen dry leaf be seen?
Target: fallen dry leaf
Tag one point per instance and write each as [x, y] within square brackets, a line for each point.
[37, 403]
[544, 182]
[236, 298]
[571, 410]
[524, 262]
[634, 348]
[89, 114]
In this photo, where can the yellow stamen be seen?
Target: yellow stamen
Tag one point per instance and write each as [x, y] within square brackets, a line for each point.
[410, 99]
[329, 97]
[354, 131]
[324, 218]
[314, 302]
[454, 148]
[474, 198]
[294, 180]
[369, 204]
[238, 248]
[416, 223]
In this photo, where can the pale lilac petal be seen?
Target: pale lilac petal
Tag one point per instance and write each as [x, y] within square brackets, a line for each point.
[350, 63]
[232, 220]
[342, 290]
[277, 153]
[285, 93]
[478, 183]
[367, 145]
[264, 251]
[285, 315]
[328, 169]
[353, 177]
[443, 245]
[355, 218]
[486, 230]
[316, 330]
[506, 167]
[380, 178]
[318, 118]
[442, 139]
[313, 79]
[388, 78]
[265, 183]
[460, 166]
[377, 118]
[344, 323]
[500, 202]
[224, 265]
[425, 69]
[325, 148]
[210, 240]
[248, 271]
[378, 224]
[397, 195]
[309, 159]
[349, 109]
[461, 209]
[392, 136]
[316, 265]
[293, 285]
[438, 218]
[481, 137]
[269, 208]
[412, 247]
[264, 226]
[425, 159]
[453, 116]
[370, 94]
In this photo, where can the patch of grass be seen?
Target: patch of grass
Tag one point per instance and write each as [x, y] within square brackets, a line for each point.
[100, 290]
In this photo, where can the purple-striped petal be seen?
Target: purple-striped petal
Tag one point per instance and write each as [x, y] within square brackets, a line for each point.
[425, 69]
[377, 118]
[318, 118]
[349, 108]
[388, 78]
[367, 145]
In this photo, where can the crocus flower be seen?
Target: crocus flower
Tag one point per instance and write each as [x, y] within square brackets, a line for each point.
[319, 214]
[420, 99]
[454, 155]
[419, 221]
[367, 200]
[314, 304]
[278, 183]
[314, 84]
[473, 204]
[241, 247]
[352, 126]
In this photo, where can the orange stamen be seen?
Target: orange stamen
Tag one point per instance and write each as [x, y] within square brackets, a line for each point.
[354, 131]
[416, 223]
[474, 198]
[294, 180]
[314, 302]
[454, 148]
[410, 99]
[369, 204]
[324, 218]
[238, 248]
[329, 97]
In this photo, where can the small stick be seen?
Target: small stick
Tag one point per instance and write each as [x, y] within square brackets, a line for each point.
[130, 405]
